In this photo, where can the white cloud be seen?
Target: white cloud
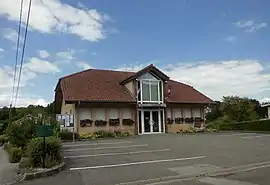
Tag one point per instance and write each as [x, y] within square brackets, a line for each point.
[11, 34]
[6, 82]
[2, 50]
[66, 55]
[219, 78]
[222, 78]
[29, 72]
[83, 65]
[41, 66]
[244, 23]
[231, 39]
[6, 77]
[256, 27]
[53, 16]
[133, 68]
[250, 25]
[43, 54]
[22, 100]
[265, 100]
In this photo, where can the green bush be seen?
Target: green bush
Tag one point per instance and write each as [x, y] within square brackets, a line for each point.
[67, 135]
[220, 122]
[52, 152]
[257, 125]
[20, 133]
[3, 139]
[15, 154]
[7, 146]
[104, 134]
[86, 136]
[101, 134]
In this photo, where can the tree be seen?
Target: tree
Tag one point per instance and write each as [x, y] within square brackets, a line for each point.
[215, 112]
[238, 109]
[50, 108]
[261, 111]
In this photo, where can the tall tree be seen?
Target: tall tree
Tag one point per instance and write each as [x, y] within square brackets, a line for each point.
[238, 109]
[214, 112]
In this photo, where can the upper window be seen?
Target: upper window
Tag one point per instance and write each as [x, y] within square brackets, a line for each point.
[150, 89]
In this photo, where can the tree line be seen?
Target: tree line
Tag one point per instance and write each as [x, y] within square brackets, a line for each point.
[237, 109]
[19, 113]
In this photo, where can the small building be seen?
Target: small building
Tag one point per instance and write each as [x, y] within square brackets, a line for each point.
[268, 109]
[143, 102]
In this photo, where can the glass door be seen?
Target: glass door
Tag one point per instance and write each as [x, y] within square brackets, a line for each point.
[155, 121]
[150, 121]
[147, 121]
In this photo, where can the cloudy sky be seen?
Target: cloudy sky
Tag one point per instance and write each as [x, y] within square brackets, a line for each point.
[219, 47]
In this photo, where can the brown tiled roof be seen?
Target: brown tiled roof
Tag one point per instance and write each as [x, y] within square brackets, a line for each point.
[96, 85]
[104, 85]
[179, 92]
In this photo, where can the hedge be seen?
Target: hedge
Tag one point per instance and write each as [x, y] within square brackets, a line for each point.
[52, 152]
[67, 135]
[257, 125]
[14, 153]
[3, 139]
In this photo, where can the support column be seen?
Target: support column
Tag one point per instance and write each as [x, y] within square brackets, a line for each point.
[107, 118]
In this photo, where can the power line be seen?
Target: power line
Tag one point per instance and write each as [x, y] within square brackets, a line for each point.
[23, 49]
[16, 58]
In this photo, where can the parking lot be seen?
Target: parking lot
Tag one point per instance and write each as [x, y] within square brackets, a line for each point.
[204, 159]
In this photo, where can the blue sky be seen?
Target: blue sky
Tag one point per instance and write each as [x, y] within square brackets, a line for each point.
[221, 48]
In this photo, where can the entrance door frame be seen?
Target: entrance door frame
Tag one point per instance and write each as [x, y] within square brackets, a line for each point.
[151, 117]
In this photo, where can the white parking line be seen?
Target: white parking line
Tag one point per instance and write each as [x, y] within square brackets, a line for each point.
[258, 136]
[242, 134]
[95, 144]
[120, 153]
[216, 173]
[220, 181]
[136, 163]
[108, 147]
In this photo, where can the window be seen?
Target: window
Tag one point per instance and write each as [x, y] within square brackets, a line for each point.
[145, 91]
[177, 113]
[84, 113]
[196, 112]
[113, 114]
[99, 114]
[126, 113]
[187, 112]
[150, 89]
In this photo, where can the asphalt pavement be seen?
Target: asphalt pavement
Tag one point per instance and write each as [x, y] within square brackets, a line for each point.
[203, 159]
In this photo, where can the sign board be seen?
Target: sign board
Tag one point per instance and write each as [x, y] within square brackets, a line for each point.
[66, 120]
[44, 130]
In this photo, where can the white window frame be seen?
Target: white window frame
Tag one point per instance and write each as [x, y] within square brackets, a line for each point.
[160, 99]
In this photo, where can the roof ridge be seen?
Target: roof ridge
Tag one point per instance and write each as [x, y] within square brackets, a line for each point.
[181, 83]
[95, 70]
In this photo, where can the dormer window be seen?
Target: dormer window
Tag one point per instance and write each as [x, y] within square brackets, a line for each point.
[150, 89]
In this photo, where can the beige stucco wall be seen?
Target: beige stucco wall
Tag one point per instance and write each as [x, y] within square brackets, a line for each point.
[174, 128]
[268, 112]
[181, 111]
[95, 114]
[69, 109]
[130, 86]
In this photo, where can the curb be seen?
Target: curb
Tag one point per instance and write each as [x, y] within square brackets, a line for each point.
[45, 173]
[97, 139]
[108, 138]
